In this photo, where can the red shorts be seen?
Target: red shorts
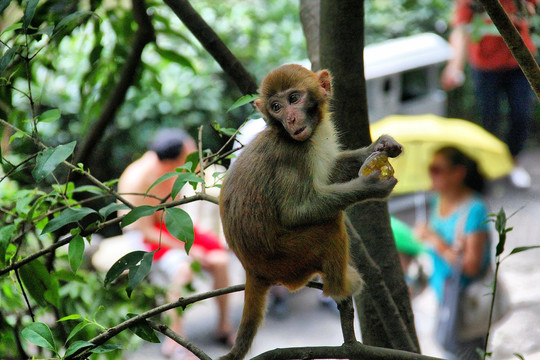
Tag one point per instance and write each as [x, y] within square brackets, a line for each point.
[203, 240]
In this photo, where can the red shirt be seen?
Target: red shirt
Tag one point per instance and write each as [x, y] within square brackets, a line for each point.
[206, 241]
[491, 52]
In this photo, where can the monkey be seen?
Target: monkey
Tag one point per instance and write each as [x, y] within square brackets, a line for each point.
[282, 202]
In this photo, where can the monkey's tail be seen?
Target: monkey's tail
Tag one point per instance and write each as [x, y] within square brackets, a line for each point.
[252, 317]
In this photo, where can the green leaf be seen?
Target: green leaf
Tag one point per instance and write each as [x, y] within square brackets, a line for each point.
[70, 317]
[49, 116]
[124, 263]
[523, 248]
[7, 58]
[519, 356]
[50, 158]
[68, 216]
[76, 346]
[76, 252]
[137, 213]
[39, 334]
[105, 348]
[68, 23]
[3, 5]
[37, 281]
[77, 329]
[182, 180]
[143, 330]
[139, 272]
[13, 27]
[29, 13]
[17, 135]
[162, 178]
[104, 212]
[246, 99]
[180, 226]
[6, 234]
[175, 57]
[192, 159]
[228, 131]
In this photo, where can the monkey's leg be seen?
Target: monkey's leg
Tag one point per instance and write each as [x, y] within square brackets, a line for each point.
[339, 278]
[252, 317]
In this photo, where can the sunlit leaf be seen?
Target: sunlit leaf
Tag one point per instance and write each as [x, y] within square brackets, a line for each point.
[76, 252]
[161, 179]
[68, 216]
[523, 248]
[39, 334]
[137, 213]
[49, 116]
[180, 226]
[139, 272]
[124, 263]
[182, 180]
[50, 158]
[246, 99]
[70, 317]
[143, 330]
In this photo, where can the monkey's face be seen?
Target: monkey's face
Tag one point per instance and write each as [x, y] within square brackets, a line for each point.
[295, 109]
[295, 98]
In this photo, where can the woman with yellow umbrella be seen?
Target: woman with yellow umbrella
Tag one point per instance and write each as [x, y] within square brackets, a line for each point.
[456, 231]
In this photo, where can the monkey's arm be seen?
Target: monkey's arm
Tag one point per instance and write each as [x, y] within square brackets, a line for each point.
[326, 200]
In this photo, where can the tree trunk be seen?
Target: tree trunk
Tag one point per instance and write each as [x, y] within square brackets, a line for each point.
[341, 46]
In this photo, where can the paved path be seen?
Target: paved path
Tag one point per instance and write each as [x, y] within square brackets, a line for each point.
[310, 323]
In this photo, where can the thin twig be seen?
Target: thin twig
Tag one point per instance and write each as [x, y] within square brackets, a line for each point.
[25, 296]
[165, 330]
[201, 162]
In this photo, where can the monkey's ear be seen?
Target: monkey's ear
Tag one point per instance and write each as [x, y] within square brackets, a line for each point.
[325, 79]
[258, 104]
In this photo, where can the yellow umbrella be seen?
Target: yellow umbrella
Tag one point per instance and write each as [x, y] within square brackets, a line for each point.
[422, 135]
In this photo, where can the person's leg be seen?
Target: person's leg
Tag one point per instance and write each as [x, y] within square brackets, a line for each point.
[520, 101]
[216, 262]
[487, 91]
[177, 267]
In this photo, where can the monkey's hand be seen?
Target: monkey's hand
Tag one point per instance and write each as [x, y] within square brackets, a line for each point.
[387, 144]
[374, 186]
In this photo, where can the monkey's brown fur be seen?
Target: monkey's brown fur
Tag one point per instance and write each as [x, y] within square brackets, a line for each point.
[281, 205]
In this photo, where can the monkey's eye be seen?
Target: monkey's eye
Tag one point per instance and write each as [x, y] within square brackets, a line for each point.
[275, 106]
[294, 97]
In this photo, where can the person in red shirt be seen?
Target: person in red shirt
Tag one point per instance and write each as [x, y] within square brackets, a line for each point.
[495, 72]
[167, 151]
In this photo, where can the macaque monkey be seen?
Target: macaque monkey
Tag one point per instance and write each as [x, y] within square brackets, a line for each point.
[282, 202]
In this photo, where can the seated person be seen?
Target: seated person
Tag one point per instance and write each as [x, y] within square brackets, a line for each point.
[168, 151]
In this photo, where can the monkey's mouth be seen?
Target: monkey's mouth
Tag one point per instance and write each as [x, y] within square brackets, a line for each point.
[299, 131]
[302, 134]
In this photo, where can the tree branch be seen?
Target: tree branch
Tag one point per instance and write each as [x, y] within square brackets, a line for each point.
[385, 305]
[515, 43]
[165, 330]
[213, 44]
[346, 351]
[143, 36]
[182, 302]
